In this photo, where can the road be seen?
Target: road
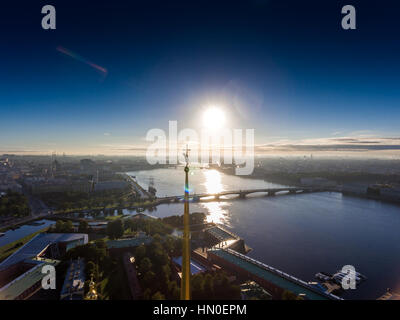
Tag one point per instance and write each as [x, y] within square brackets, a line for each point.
[38, 210]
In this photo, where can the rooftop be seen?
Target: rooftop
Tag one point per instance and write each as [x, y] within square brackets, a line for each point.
[73, 287]
[221, 234]
[129, 242]
[195, 267]
[271, 275]
[39, 243]
[16, 287]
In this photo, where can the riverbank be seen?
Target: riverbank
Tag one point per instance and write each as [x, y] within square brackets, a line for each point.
[294, 180]
[372, 197]
[18, 224]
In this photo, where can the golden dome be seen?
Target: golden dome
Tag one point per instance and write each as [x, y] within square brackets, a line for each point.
[92, 293]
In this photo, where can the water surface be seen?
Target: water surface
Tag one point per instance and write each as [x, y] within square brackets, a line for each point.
[300, 234]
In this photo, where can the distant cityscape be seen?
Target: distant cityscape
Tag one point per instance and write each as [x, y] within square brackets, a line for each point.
[89, 224]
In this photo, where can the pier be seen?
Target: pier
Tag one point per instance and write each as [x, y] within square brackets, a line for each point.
[137, 187]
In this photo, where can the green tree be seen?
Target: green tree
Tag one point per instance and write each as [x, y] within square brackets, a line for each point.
[149, 278]
[83, 226]
[209, 285]
[68, 226]
[197, 283]
[147, 294]
[115, 229]
[159, 258]
[289, 295]
[101, 243]
[173, 290]
[169, 244]
[165, 275]
[90, 267]
[158, 296]
[145, 265]
[140, 252]
[59, 227]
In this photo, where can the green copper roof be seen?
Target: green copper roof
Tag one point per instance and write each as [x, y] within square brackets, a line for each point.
[272, 276]
[131, 242]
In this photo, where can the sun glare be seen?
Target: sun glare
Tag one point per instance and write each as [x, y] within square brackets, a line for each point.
[213, 118]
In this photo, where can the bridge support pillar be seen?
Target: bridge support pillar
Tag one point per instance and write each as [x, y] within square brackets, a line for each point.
[242, 195]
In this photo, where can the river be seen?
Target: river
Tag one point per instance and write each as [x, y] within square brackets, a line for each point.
[299, 234]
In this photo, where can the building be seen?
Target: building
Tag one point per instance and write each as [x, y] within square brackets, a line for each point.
[87, 165]
[317, 182]
[111, 185]
[10, 185]
[40, 185]
[120, 246]
[74, 283]
[92, 226]
[390, 295]
[220, 237]
[20, 273]
[385, 192]
[28, 283]
[195, 267]
[251, 290]
[51, 245]
[271, 279]
[358, 189]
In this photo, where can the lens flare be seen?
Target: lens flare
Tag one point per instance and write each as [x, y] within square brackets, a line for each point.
[81, 59]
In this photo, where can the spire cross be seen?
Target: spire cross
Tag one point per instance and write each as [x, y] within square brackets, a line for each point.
[186, 155]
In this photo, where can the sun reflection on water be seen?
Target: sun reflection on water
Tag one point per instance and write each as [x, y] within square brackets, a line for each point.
[213, 182]
[217, 211]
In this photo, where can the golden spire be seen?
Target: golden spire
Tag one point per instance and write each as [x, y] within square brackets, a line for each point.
[185, 283]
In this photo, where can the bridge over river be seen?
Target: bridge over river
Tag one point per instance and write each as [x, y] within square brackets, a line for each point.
[242, 193]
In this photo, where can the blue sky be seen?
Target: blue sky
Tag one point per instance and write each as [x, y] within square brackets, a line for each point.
[284, 68]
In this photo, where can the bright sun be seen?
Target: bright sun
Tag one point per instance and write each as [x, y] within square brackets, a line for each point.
[214, 118]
